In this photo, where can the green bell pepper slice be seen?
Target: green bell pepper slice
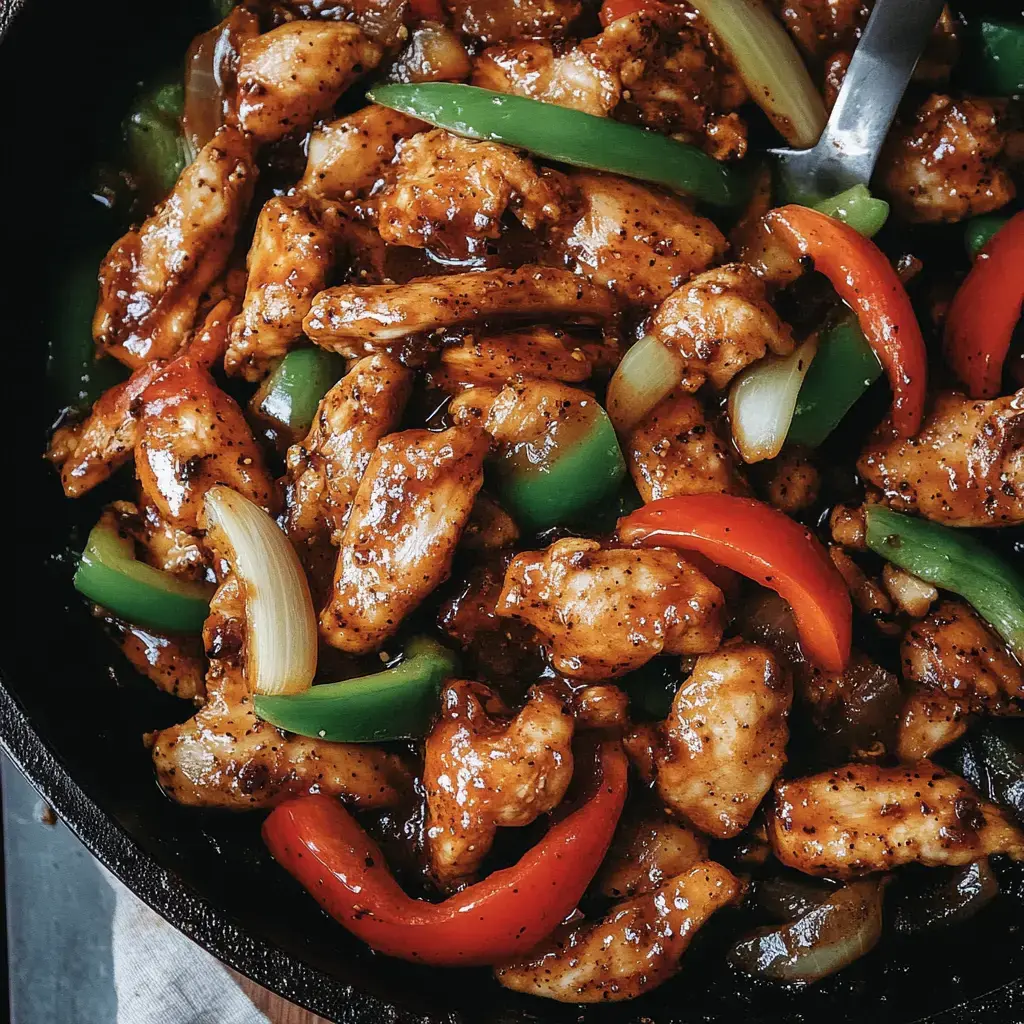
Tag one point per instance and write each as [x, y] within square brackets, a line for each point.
[553, 482]
[395, 704]
[956, 562]
[843, 369]
[991, 759]
[979, 231]
[859, 208]
[567, 136]
[155, 145]
[109, 574]
[289, 397]
[998, 61]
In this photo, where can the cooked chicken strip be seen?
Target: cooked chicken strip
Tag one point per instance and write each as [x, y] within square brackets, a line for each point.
[489, 21]
[928, 722]
[347, 157]
[676, 451]
[952, 652]
[227, 757]
[725, 739]
[493, 358]
[152, 279]
[862, 818]
[602, 706]
[449, 194]
[324, 471]
[964, 468]
[719, 322]
[944, 165]
[292, 253]
[792, 483]
[408, 514]
[295, 73]
[647, 849]
[89, 452]
[823, 26]
[635, 239]
[483, 769]
[656, 67]
[353, 320]
[632, 950]
[192, 436]
[175, 664]
[602, 613]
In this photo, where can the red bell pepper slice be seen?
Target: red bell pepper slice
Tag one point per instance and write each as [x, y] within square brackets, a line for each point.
[985, 311]
[612, 10]
[506, 914]
[768, 547]
[867, 282]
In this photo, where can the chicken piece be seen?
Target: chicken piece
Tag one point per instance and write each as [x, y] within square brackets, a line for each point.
[863, 818]
[174, 664]
[227, 757]
[490, 527]
[152, 279]
[964, 468]
[849, 527]
[929, 721]
[353, 320]
[293, 74]
[725, 738]
[493, 358]
[434, 53]
[292, 253]
[659, 68]
[648, 848]
[407, 516]
[600, 707]
[449, 194]
[868, 595]
[910, 593]
[636, 947]
[602, 613]
[720, 322]
[953, 653]
[822, 26]
[944, 165]
[347, 157]
[793, 482]
[634, 239]
[191, 437]
[91, 451]
[483, 769]
[324, 471]
[676, 451]
[162, 545]
[489, 21]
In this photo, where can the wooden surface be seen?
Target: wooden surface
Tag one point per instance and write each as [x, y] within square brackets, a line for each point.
[279, 1010]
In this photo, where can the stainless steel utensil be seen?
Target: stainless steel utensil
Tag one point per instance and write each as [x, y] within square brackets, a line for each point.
[879, 71]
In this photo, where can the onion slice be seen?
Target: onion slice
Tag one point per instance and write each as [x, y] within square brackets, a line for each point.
[647, 373]
[281, 631]
[769, 64]
[763, 399]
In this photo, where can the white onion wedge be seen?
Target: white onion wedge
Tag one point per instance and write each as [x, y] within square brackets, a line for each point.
[648, 372]
[763, 399]
[281, 630]
[770, 66]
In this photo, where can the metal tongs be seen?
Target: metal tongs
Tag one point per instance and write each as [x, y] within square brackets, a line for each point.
[879, 71]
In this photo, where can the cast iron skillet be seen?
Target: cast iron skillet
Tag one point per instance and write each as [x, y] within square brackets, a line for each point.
[73, 721]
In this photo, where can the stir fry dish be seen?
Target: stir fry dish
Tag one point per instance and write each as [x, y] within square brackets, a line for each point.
[559, 534]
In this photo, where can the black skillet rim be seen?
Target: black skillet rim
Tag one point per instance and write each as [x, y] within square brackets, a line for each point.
[207, 924]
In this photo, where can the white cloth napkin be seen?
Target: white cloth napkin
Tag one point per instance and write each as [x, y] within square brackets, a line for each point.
[164, 978]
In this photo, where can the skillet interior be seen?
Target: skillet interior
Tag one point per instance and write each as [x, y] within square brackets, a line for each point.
[72, 716]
